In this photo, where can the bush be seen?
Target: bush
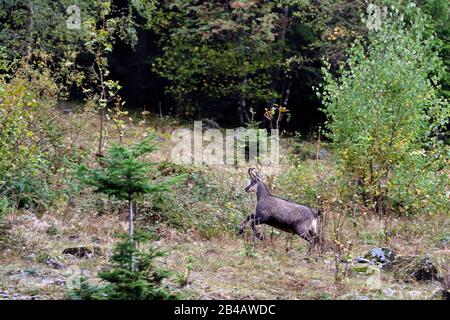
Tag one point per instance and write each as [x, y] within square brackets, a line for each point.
[3, 208]
[30, 136]
[386, 117]
[205, 202]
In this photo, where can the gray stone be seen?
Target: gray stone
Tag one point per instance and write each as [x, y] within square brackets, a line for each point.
[84, 251]
[389, 292]
[323, 154]
[363, 260]
[380, 255]
[59, 282]
[54, 264]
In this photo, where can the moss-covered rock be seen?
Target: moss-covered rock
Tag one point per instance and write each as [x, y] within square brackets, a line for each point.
[413, 268]
[84, 251]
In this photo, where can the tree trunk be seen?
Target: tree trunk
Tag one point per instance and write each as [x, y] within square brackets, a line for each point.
[242, 109]
[131, 230]
[27, 45]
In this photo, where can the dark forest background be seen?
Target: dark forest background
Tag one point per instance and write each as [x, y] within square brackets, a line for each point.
[186, 58]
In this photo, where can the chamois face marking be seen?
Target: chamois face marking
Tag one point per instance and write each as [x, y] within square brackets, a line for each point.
[253, 185]
[254, 179]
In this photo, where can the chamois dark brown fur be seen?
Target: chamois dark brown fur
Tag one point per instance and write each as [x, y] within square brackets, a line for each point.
[280, 213]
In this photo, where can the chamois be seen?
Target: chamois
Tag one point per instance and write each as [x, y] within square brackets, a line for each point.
[280, 213]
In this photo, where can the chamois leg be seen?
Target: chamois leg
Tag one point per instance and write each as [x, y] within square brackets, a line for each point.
[244, 223]
[289, 247]
[305, 234]
[314, 238]
[255, 221]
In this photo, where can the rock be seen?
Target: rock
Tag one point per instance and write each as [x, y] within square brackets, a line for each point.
[414, 294]
[363, 260]
[209, 124]
[52, 231]
[361, 297]
[4, 295]
[413, 268]
[323, 154]
[316, 282]
[84, 251]
[380, 255]
[59, 282]
[54, 264]
[359, 268]
[389, 292]
[31, 257]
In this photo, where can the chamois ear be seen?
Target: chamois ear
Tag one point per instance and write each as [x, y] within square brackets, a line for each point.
[256, 174]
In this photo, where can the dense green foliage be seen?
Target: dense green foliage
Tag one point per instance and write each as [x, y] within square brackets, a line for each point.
[244, 54]
[36, 31]
[215, 59]
[386, 118]
[241, 53]
[438, 11]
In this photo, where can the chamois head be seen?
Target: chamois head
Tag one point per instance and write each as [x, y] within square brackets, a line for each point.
[254, 179]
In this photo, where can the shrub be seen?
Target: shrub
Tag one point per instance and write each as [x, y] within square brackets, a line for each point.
[3, 208]
[30, 136]
[205, 202]
[385, 116]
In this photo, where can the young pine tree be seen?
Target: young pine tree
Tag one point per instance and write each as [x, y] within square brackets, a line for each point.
[124, 175]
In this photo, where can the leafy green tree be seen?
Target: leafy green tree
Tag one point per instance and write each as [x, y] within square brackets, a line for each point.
[386, 116]
[329, 28]
[123, 174]
[37, 32]
[438, 10]
[100, 90]
[217, 50]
